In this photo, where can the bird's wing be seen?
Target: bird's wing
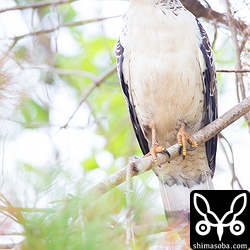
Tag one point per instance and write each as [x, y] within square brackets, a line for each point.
[210, 94]
[125, 87]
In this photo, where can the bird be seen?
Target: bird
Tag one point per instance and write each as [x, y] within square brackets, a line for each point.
[167, 73]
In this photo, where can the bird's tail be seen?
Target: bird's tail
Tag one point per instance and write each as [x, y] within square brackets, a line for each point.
[176, 201]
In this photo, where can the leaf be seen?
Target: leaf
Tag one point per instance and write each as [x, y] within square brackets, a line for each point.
[90, 164]
[34, 112]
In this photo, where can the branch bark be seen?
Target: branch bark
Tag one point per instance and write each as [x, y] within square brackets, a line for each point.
[201, 11]
[140, 165]
[233, 71]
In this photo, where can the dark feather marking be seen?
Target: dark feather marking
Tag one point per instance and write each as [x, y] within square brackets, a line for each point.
[210, 94]
[133, 117]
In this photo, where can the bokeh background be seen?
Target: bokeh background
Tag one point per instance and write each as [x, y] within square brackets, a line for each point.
[64, 125]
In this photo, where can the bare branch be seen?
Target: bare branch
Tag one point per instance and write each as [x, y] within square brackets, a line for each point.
[139, 166]
[36, 5]
[10, 233]
[238, 65]
[233, 70]
[94, 85]
[72, 24]
[129, 213]
[12, 209]
[230, 163]
[61, 71]
[241, 92]
[200, 11]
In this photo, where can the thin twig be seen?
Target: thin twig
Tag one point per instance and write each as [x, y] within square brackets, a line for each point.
[72, 24]
[233, 70]
[201, 11]
[10, 233]
[230, 163]
[13, 209]
[16, 213]
[240, 88]
[61, 71]
[215, 35]
[36, 5]
[3, 160]
[245, 39]
[139, 166]
[239, 79]
[90, 89]
[129, 213]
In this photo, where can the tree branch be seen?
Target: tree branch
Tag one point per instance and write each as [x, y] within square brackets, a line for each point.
[71, 24]
[235, 178]
[233, 70]
[140, 165]
[61, 71]
[36, 5]
[201, 11]
[90, 89]
[240, 88]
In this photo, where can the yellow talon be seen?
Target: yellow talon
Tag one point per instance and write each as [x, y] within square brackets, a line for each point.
[183, 138]
[156, 148]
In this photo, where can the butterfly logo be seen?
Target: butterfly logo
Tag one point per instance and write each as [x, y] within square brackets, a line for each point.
[229, 219]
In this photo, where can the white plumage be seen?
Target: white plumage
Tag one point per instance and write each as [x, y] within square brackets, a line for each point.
[167, 74]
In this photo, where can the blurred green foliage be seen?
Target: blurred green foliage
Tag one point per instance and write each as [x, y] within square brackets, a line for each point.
[66, 219]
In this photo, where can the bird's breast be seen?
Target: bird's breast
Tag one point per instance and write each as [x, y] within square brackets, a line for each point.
[163, 66]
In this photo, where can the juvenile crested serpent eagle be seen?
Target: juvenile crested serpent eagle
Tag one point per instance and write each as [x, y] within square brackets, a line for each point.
[167, 73]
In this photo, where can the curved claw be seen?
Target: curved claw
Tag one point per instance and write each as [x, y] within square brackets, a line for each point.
[167, 153]
[183, 138]
[156, 148]
[192, 149]
[180, 149]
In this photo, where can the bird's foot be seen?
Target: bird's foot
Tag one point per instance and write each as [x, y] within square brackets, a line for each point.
[183, 138]
[155, 149]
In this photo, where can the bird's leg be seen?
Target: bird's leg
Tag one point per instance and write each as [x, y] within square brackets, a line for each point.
[183, 138]
[156, 148]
